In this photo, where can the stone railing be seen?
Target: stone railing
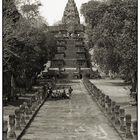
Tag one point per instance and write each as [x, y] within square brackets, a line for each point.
[120, 121]
[15, 126]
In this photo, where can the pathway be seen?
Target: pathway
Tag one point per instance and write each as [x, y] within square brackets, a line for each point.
[76, 119]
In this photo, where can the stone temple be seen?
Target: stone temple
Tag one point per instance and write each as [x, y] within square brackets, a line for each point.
[71, 58]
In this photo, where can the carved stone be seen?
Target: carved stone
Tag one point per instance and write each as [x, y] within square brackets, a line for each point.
[22, 113]
[17, 118]
[122, 116]
[11, 130]
[113, 110]
[5, 129]
[128, 133]
[117, 120]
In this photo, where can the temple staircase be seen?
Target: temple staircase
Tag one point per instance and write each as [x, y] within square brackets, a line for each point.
[70, 54]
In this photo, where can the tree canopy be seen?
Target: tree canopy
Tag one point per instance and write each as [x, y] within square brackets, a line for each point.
[26, 47]
[113, 34]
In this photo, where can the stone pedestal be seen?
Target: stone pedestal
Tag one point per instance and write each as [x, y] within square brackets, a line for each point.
[26, 110]
[106, 102]
[100, 98]
[113, 110]
[37, 98]
[122, 116]
[99, 93]
[29, 104]
[135, 128]
[22, 113]
[117, 120]
[33, 98]
[109, 106]
[11, 130]
[103, 101]
[5, 129]
[17, 118]
[34, 106]
[128, 133]
[44, 91]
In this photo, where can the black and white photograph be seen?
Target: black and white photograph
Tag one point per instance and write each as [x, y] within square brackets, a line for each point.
[69, 70]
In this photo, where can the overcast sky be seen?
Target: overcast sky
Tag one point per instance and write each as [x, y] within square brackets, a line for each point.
[52, 10]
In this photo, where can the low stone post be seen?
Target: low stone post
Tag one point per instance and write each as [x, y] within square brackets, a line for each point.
[122, 116]
[92, 89]
[103, 100]
[113, 103]
[44, 92]
[11, 130]
[117, 120]
[33, 106]
[40, 94]
[36, 102]
[89, 86]
[106, 102]
[29, 104]
[37, 98]
[98, 94]
[22, 113]
[93, 92]
[109, 106]
[5, 129]
[26, 111]
[33, 98]
[100, 98]
[128, 133]
[135, 128]
[17, 118]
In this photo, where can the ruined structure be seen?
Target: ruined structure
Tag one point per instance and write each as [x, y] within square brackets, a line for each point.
[71, 54]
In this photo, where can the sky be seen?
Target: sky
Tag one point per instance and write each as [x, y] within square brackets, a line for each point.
[52, 10]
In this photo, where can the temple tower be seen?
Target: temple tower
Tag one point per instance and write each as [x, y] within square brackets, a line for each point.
[71, 16]
[71, 53]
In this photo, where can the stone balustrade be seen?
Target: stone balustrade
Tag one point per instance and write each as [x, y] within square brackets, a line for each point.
[119, 120]
[18, 121]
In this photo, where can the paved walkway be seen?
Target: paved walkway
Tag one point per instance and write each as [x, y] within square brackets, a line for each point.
[119, 92]
[76, 119]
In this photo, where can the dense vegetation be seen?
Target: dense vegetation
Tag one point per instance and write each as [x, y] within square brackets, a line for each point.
[112, 33]
[27, 45]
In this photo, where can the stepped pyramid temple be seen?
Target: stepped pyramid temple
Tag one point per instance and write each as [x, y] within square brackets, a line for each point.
[71, 57]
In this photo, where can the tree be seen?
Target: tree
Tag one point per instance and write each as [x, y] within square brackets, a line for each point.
[30, 11]
[28, 46]
[113, 25]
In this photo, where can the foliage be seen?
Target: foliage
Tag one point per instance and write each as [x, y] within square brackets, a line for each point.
[113, 34]
[31, 46]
